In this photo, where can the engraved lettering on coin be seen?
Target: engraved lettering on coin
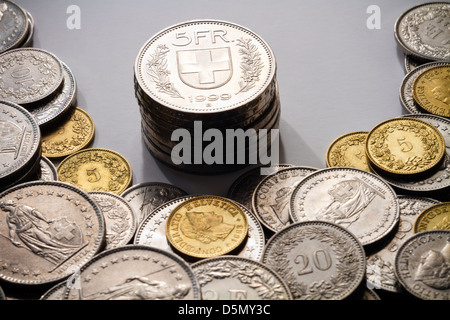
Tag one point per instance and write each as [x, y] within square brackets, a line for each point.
[436, 217]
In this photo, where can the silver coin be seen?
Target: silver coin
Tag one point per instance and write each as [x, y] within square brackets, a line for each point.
[2, 294]
[57, 292]
[47, 229]
[422, 31]
[29, 75]
[47, 112]
[20, 141]
[411, 63]
[353, 198]
[13, 25]
[47, 170]
[28, 42]
[380, 272]
[135, 272]
[318, 260]
[271, 197]
[422, 265]
[120, 219]
[406, 88]
[146, 197]
[237, 278]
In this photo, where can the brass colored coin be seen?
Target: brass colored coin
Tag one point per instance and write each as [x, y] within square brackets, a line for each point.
[349, 150]
[405, 146]
[207, 226]
[71, 136]
[436, 217]
[96, 170]
[431, 90]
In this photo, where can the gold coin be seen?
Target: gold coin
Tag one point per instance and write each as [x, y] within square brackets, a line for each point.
[206, 226]
[436, 217]
[96, 170]
[349, 150]
[431, 90]
[71, 136]
[405, 146]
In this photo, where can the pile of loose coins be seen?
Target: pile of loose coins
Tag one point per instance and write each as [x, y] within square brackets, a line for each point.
[372, 224]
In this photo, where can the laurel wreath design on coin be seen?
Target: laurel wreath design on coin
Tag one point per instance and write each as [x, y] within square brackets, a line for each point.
[338, 156]
[158, 71]
[265, 285]
[409, 30]
[47, 67]
[251, 64]
[346, 270]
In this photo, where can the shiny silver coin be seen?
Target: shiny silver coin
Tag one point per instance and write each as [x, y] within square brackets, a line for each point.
[135, 272]
[270, 200]
[422, 31]
[14, 25]
[120, 219]
[237, 278]
[47, 170]
[380, 264]
[411, 63]
[48, 112]
[20, 142]
[356, 199]
[48, 228]
[422, 265]
[406, 88]
[146, 197]
[56, 293]
[28, 42]
[317, 260]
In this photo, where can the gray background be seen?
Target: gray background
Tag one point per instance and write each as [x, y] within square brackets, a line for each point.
[335, 74]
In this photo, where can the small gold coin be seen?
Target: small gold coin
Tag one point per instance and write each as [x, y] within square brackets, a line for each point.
[349, 150]
[436, 217]
[206, 226]
[405, 146]
[96, 170]
[431, 90]
[72, 135]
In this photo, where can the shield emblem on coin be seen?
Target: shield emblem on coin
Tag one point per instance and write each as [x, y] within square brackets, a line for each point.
[205, 68]
[66, 232]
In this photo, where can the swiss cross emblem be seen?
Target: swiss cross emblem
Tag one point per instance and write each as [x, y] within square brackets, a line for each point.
[205, 68]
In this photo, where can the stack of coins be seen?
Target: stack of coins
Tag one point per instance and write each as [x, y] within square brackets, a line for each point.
[201, 76]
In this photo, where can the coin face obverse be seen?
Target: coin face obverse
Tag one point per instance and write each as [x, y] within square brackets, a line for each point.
[348, 150]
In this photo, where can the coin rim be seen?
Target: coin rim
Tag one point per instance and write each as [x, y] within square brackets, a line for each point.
[427, 211]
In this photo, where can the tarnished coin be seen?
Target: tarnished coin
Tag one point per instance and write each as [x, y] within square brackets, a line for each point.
[47, 170]
[152, 231]
[73, 134]
[96, 169]
[47, 228]
[355, 199]
[146, 197]
[318, 260]
[348, 150]
[57, 292]
[207, 226]
[271, 196]
[431, 90]
[14, 25]
[436, 217]
[20, 142]
[422, 31]
[380, 272]
[48, 112]
[405, 146]
[422, 265]
[119, 217]
[135, 272]
[237, 278]
[29, 75]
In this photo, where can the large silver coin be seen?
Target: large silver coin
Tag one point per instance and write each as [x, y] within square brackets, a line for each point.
[229, 62]
[14, 25]
[422, 265]
[237, 278]
[423, 32]
[271, 197]
[57, 292]
[47, 229]
[146, 197]
[135, 272]
[356, 199]
[120, 219]
[318, 260]
[29, 75]
[380, 264]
